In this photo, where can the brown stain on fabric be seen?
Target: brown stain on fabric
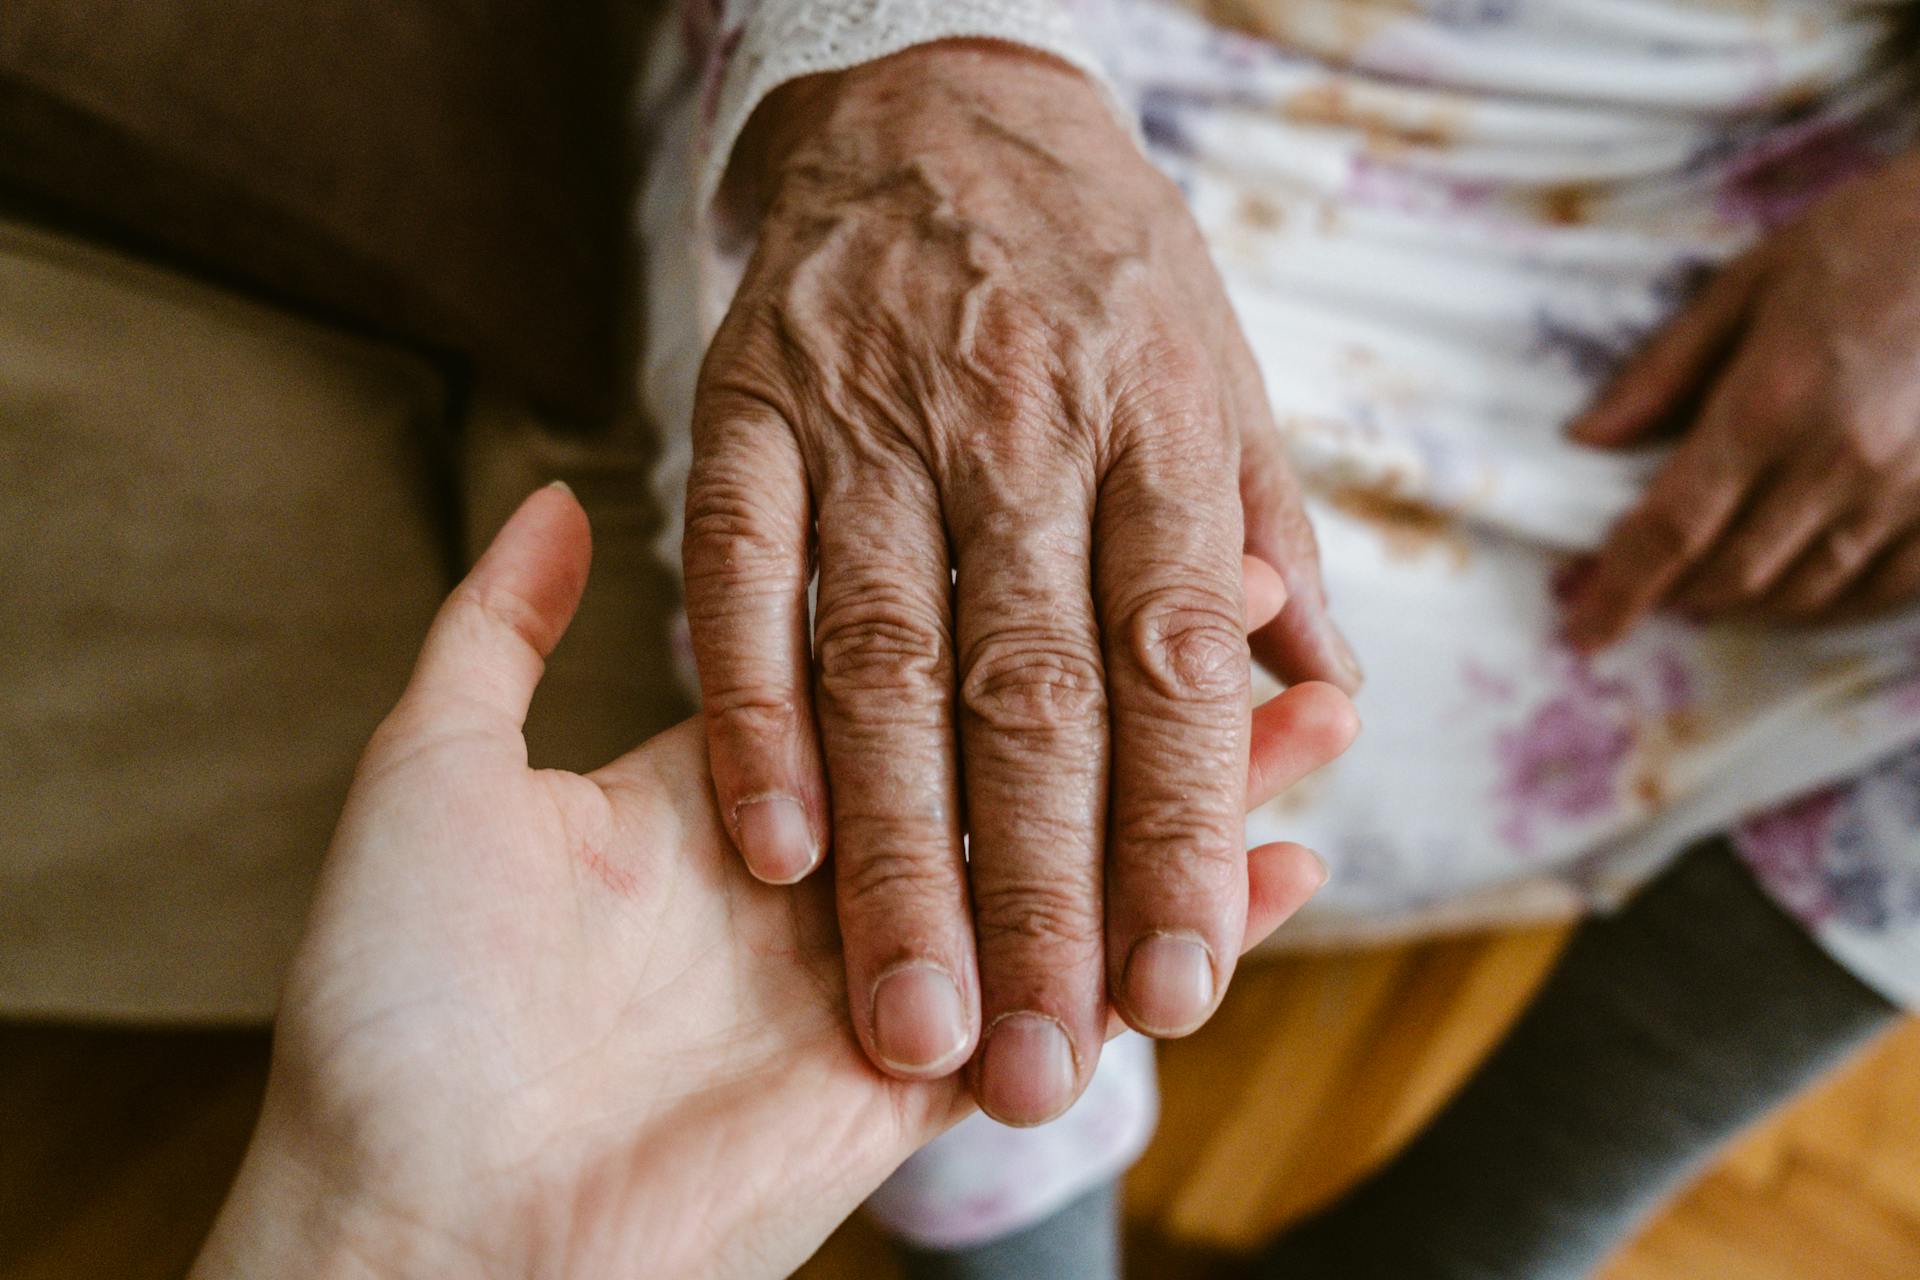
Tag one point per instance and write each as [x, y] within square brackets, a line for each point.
[1351, 25]
[1408, 529]
[1261, 214]
[1336, 104]
[1671, 736]
[1568, 205]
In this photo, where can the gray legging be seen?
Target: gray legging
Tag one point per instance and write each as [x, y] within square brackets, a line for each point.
[1664, 1030]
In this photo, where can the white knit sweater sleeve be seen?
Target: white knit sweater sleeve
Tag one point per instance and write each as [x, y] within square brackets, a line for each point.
[758, 45]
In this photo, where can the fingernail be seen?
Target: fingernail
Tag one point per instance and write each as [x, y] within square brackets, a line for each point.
[1027, 1073]
[1168, 986]
[561, 485]
[918, 1022]
[775, 839]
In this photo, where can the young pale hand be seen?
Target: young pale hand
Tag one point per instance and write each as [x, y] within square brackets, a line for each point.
[982, 374]
[1795, 492]
[547, 1024]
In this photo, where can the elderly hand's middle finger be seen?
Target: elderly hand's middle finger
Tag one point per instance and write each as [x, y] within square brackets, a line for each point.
[1033, 726]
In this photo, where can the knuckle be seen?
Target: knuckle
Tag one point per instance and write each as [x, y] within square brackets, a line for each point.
[1190, 644]
[1176, 844]
[721, 510]
[1016, 352]
[1025, 533]
[879, 639]
[499, 608]
[1036, 684]
[1171, 383]
[731, 535]
[891, 883]
[1058, 916]
[751, 714]
[1181, 364]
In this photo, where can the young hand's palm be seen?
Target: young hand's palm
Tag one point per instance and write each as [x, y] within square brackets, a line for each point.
[582, 988]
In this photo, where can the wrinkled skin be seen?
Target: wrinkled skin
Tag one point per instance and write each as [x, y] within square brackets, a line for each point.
[982, 374]
[1794, 495]
[545, 1024]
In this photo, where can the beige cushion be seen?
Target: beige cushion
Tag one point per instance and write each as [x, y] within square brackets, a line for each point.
[221, 549]
[227, 529]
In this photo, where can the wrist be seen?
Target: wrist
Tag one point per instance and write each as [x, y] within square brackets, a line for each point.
[947, 96]
[283, 1218]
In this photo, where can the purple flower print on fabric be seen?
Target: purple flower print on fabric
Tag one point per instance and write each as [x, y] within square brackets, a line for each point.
[1566, 762]
[1595, 348]
[1593, 351]
[1826, 858]
[1484, 682]
[1675, 682]
[1468, 14]
[1786, 848]
[1871, 888]
[1397, 186]
[1160, 120]
[1904, 697]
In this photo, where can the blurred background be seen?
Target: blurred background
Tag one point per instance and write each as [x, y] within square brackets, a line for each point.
[295, 303]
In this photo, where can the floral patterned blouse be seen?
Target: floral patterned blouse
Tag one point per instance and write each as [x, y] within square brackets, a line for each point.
[1443, 224]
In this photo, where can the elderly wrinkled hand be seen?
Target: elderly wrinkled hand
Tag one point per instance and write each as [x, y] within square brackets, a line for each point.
[544, 1022]
[981, 372]
[1795, 492]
